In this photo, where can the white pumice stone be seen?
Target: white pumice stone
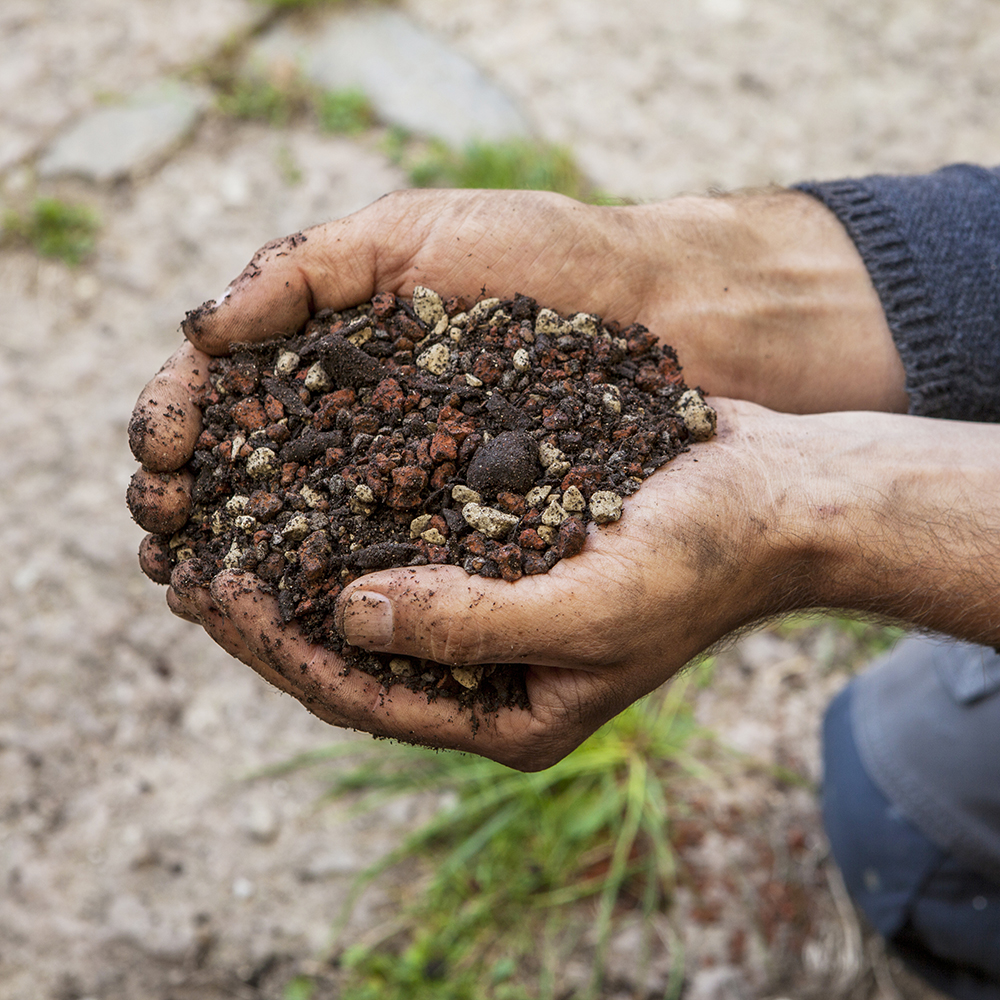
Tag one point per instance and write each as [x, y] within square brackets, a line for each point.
[419, 525]
[296, 529]
[428, 306]
[605, 506]
[435, 359]
[491, 522]
[262, 464]
[316, 379]
[698, 416]
[465, 494]
[573, 500]
[287, 363]
[468, 677]
[536, 496]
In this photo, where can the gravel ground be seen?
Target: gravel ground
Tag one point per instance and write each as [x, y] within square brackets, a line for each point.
[136, 861]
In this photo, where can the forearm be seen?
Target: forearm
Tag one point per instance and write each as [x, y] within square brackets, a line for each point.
[901, 519]
[767, 299]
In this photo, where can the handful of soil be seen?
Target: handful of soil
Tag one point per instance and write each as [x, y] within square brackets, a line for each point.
[403, 434]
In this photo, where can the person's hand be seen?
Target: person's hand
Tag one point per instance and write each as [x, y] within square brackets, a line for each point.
[892, 516]
[688, 563]
[764, 297]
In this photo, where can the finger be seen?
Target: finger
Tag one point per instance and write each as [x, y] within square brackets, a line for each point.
[154, 559]
[457, 242]
[160, 502]
[181, 607]
[325, 267]
[189, 594]
[353, 698]
[166, 422]
[564, 618]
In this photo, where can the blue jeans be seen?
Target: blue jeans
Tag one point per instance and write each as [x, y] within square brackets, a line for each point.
[940, 917]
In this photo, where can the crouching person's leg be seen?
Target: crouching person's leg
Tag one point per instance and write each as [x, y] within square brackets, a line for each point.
[911, 805]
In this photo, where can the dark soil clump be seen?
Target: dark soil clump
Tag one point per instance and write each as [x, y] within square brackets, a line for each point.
[400, 434]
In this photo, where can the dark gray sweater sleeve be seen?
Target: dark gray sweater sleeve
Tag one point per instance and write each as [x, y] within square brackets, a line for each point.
[932, 247]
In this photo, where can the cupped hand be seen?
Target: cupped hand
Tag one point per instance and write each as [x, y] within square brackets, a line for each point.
[764, 297]
[692, 558]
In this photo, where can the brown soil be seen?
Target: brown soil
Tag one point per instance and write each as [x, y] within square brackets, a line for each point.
[400, 434]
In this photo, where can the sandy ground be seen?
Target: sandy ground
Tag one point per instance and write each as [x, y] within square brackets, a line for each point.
[135, 859]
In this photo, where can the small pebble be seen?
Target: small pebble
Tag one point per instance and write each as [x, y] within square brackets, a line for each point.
[605, 506]
[316, 379]
[262, 464]
[522, 360]
[698, 416]
[428, 306]
[287, 363]
[491, 522]
[435, 359]
[462, 494]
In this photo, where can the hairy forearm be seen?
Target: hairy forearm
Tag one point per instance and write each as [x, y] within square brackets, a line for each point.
[767, 299]
[901, 519]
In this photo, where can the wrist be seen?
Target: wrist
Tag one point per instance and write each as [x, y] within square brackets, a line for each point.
[766, 298]
[898, 519]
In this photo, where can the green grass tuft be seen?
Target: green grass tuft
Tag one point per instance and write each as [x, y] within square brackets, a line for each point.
[521, 865]
[347, 112]
[515, 164]
[253, 99]
[54, 228]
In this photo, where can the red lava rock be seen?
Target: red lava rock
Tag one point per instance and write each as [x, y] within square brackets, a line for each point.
[649, 378]
[530, 539]
[387, 395]
[383, 304]
[508, 558]
[274, 408]
[314, 556]
[444, 448]
[572, 535]
[264, 505]
[443, 474]
[288, 471]
[512, 503]
[278, 433]
[475, 544]
[586, 478]
[206, 441]
[407, 484]
[534, 564]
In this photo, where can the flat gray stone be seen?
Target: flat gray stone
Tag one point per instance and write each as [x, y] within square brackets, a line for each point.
[412, 78]
[124, 140]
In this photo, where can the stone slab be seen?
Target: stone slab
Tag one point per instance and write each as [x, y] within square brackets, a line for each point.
[412, 78]
[127, 139]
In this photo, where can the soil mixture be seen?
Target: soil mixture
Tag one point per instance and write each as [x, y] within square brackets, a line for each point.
[407, 433]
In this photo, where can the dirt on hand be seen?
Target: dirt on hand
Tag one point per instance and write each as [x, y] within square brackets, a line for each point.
[407, 434]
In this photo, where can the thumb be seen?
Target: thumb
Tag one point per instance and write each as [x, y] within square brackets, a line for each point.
[326, 267]
[441, 613]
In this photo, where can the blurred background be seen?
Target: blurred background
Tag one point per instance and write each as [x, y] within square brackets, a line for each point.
[172, 828]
